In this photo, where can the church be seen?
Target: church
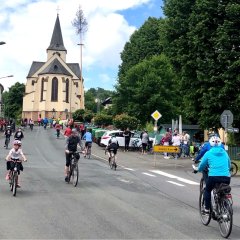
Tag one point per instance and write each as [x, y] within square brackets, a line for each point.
[54, 88]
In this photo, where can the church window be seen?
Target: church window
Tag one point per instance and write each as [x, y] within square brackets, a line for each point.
[67, 91]
[54, 97]
[42, 89]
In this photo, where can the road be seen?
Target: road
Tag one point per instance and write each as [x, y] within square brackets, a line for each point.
[142, 199]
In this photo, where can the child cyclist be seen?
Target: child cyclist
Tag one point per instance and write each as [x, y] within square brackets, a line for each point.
[14, 155]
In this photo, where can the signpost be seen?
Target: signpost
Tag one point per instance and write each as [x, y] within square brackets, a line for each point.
[169, 149]
[156, 115]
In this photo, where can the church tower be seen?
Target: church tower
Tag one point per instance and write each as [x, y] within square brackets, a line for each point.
[53, 88]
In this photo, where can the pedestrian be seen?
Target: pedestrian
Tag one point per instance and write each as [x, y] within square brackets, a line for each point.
[127, 135]
[165, 141]
[186, 140]
[176, 142]
[145, 139]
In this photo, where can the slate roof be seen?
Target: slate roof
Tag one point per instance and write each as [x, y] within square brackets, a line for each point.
[55, 67]
[57, 39]
[34, 68]
[75, 68]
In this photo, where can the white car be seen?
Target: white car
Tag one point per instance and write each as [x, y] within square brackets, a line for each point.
[121, 140]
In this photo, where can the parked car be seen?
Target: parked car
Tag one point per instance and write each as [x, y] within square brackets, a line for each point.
[121, 140]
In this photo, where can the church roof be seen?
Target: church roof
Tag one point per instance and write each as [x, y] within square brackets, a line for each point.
[35, 66]
[55, 67]
[75, 68]
[57, 39]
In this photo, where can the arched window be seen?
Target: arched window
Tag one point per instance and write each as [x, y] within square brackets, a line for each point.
[54, 97]
[42, 89]
[67, 91]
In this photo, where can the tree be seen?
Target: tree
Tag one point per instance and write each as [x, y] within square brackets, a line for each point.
[102, 120]
[204, 47]
[78, 115]
[143, 44]
[124, 121]
[146, 87]
[13, 99]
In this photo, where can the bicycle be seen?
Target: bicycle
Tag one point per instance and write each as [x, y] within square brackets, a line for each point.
[136, 145]
[7, 142]
[73, 168]
[233, 169]
[112, 160]
[88, 150]
[13, 176]
[220, 209]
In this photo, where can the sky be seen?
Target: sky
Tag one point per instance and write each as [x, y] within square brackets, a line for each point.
[27, 26]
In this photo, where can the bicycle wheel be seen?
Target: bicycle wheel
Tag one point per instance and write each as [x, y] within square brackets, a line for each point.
[202, 184]
[205, 218]
[115, 164]
[75, 175]
[70, 173]
[7, 142]
[233, 169]
[11, 181]
[15, 177]
[225, 220]
[89, 153]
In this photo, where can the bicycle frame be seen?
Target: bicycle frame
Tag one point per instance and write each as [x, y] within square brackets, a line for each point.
[14, 177]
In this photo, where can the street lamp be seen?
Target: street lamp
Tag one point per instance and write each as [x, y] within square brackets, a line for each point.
[1, 43]
[7, 76]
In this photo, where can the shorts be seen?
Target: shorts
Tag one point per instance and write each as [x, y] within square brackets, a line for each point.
[89, 144]
[144, 146]
[112, 147]
[11, 164]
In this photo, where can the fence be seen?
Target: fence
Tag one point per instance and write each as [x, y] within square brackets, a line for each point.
[234, 152]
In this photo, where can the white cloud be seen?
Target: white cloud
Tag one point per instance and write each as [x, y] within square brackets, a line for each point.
[26, 27]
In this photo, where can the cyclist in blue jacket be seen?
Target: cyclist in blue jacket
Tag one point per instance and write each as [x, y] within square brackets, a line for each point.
[218, 163]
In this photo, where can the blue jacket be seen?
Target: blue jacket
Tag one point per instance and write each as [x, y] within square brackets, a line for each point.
[218, 162]
[88, 137]
[206, 147]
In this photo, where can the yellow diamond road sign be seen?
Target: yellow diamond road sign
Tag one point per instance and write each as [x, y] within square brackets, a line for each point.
[156, 115]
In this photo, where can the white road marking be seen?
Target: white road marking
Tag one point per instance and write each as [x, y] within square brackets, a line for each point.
[124, 180]
[148, 174]
[175, 177]
[178, 184]
[130, 169]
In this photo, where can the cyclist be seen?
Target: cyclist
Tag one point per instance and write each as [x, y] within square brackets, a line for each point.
[19, 134]
[58, 128]
[219, 164]
[8, 134]
[14, 154]
[71, 146]
[112, 144]
[88, 137]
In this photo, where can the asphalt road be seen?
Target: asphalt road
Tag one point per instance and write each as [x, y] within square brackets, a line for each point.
[143, 199]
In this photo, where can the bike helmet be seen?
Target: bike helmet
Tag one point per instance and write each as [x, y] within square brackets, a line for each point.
[74, 130]
[17, 142]
[8, 127]
[215, 141]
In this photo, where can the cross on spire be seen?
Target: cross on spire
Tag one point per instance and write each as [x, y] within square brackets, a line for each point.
[58, 9]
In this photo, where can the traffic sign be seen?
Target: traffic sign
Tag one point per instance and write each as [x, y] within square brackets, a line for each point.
[156, 115]
[226, 118]
[169, 149]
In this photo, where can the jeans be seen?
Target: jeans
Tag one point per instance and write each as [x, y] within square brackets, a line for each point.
[210, 184]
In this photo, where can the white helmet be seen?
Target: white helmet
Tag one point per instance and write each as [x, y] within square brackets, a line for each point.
[215, 141]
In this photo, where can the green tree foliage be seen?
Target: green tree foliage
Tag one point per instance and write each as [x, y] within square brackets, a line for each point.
[92, 94]
[78, 115]
[102, 120]
[13, 99]
[124, 121]
[143, 44]
[146, 87]
[204, 47]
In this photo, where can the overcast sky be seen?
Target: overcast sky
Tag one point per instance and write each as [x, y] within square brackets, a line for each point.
[27, 26]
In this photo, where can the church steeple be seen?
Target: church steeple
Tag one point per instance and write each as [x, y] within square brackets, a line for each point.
[56, 44]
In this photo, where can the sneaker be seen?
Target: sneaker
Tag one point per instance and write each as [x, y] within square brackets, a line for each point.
[18, 185]
[7, 177]
[66, 179]
[206, 211]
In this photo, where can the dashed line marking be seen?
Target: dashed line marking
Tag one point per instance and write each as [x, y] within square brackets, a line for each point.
[130, 169]
[178, 184]
[175, 177]
[148, 174]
